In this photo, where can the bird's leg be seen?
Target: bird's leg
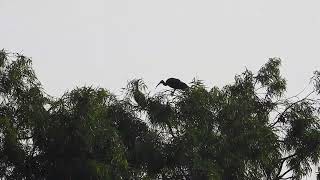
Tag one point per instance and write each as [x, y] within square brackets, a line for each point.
[173, 92]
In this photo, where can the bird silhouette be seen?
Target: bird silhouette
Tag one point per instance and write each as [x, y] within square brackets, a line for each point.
[174, 83]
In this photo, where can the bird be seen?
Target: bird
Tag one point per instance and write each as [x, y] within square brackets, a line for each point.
[174, 83]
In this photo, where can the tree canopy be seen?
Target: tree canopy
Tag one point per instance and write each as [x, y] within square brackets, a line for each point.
[245, 130]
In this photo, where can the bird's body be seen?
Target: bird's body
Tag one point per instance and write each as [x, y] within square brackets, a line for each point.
[174, 83]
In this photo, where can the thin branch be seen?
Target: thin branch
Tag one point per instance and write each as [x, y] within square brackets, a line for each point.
[282, 161]
[286, 172]
[288, 157]
[290, 106]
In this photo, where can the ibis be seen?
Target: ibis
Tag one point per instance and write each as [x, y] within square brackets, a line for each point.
[174, 83]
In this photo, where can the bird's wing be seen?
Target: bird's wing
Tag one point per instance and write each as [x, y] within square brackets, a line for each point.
[172, 80]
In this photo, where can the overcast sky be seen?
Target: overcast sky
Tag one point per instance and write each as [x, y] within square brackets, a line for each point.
[108, 42]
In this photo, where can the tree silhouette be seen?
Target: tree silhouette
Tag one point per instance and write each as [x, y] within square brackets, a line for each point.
[245, 130]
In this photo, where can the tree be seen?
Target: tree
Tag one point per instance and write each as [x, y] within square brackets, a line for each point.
[245, 130]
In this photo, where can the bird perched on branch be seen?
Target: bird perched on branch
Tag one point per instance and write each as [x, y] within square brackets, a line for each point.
[174, 83]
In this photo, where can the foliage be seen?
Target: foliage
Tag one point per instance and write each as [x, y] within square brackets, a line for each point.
[245, 130]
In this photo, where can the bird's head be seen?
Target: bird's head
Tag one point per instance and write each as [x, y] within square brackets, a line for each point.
[161, 82]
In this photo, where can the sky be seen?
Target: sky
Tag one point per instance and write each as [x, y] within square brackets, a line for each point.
[106, 43]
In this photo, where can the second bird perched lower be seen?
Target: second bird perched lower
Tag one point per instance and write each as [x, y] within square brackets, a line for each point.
[174, 83]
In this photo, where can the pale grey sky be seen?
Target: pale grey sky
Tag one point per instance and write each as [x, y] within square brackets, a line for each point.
[108, 42]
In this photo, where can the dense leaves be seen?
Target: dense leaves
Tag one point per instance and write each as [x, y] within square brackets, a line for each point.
[245, 130]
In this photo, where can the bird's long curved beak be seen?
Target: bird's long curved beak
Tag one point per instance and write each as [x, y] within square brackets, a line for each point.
[158, 84]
